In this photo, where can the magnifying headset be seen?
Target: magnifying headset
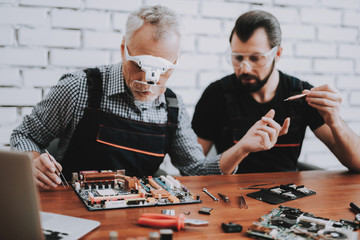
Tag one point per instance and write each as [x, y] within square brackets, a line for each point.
[153, 68]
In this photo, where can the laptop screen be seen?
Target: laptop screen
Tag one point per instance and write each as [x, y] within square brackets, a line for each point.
[20, 208]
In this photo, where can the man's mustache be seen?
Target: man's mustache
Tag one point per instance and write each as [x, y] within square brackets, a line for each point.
[247, 76]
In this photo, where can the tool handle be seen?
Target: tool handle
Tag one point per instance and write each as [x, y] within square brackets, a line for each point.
[162, 221]
[354, 207]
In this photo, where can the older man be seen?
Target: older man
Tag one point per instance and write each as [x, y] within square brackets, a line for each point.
[229, 110]
[120, 116]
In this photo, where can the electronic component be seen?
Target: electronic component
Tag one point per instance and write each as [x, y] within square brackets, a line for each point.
[231, 227]
[107, 189]
[168, 212]
[166, 234]
[287, 223]
[282, 193]
[206, 210]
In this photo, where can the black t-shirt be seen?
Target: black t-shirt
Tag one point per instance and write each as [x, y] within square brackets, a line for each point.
[212, 121]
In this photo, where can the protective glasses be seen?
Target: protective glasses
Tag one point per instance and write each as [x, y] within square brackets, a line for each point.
[153, 68]
[253, 60]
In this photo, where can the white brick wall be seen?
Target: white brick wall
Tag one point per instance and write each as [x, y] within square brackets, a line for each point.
[42, 39]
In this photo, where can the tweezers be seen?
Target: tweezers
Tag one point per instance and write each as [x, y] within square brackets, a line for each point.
[256, 186]
[59, 172]
[242, 202]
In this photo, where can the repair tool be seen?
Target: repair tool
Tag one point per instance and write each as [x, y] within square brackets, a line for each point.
[212, 196]
[256, 186]
[60, 173]
[295, 97]
[167, 221]
[224, 197]
[356, 210]
[242, 202]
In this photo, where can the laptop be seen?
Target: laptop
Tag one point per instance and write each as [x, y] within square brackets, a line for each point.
[19, 205]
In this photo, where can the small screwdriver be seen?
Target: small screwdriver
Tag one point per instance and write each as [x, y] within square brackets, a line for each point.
[224, 197]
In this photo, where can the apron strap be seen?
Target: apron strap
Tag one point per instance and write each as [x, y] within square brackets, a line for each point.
[95, 87]
[173, 113]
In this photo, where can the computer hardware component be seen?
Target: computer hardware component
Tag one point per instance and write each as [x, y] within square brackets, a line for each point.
[287, 223]
[108, 189]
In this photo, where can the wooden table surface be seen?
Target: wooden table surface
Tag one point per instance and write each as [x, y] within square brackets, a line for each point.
[335, 190]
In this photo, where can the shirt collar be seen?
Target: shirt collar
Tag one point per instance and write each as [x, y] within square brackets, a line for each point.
[117, 86]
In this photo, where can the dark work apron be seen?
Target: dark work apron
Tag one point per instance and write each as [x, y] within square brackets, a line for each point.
[102, 141]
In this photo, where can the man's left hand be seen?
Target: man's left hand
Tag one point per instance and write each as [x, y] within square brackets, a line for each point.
[327, 101]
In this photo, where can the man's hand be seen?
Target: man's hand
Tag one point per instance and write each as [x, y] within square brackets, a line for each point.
[327, 101]
[264, 133]
[45, 172]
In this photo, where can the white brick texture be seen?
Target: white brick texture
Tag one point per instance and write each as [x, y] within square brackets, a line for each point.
[23, 16]
[337, 34]
[52, 3]
[115, 5]
[76, 58]
[182, 79]
[315, 50]
[42, 39]
[348, 82]
[102, 40]
[352, 18]
[23, 57]
[334, 66]
[8, 115]
[7, 36]
[9, 77]
[202, 26]
[308, 3]
[184, 7]
[284, 15]
[298, 32]
[19, 97]
[50, 38]
[349, 51]
[41, 77]
[221, 9]
[213, 44]
[80, 19]
[328, 16]
[354, 98]
[350, 4]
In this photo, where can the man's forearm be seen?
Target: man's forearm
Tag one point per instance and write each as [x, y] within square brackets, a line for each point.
[231, 158]
[346, 146]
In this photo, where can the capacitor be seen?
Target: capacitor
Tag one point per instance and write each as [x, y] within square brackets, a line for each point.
[113, 235]
[77, 186]
[166, 234]
[154, 236]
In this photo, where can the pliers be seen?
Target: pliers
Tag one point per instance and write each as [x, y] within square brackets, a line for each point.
[157, 220]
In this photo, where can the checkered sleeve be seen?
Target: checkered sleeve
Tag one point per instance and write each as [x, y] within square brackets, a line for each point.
[186, 153]
[48, 118]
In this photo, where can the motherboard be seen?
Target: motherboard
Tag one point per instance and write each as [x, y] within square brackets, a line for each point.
[107, 189]
[287, 223]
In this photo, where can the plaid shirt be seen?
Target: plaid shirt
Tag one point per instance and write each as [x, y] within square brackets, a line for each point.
[58, 114]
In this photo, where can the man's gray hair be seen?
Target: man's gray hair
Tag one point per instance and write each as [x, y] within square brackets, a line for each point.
[165, 21]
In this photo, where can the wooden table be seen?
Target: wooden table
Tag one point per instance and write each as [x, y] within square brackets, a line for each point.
[335, 190]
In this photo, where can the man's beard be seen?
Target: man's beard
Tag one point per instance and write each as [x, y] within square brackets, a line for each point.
[254, 87]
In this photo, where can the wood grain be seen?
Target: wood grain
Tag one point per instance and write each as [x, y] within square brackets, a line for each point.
[335, 190]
